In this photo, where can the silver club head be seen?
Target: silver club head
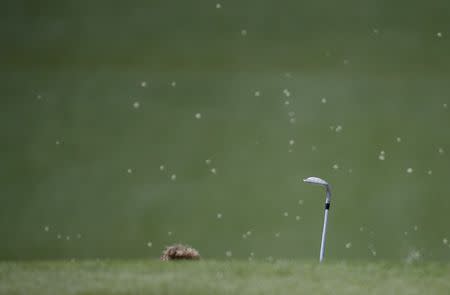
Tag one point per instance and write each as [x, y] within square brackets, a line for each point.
[316, 180]
[320, 181]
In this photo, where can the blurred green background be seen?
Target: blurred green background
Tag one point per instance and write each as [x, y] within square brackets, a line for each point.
[128, 126]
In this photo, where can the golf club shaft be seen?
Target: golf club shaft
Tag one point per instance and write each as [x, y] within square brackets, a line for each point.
[324, 231]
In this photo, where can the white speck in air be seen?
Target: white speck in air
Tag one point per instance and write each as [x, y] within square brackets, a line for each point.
[416, 228]
[445, 241]
[173, 83]
[228, 253]
[136, 104]
[348, 245]
[213, 171]
[218, 6]
[338, 128]
[292, 120]
[335, 166]
[297, 218]
[286, 102]
[149, 244]
[285, 214]
[291, 114]
[291, 142]
[162, 167]
[244, 32]
[399, 139]
[169, 233]
[439, 34]
[129, 170]
[208, 161]
[445, 105]
[173, 177]
[413, 256]
[376, 31]
[219, 215]
[441, 151]
[286, 92]
[300, 202]
[198, 116]
[277, 235]
[257, 93]
[409, 170]
[429, 172]
[143, 84]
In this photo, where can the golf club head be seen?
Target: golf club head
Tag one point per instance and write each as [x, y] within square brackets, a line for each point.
[321, 182]
[316, 180]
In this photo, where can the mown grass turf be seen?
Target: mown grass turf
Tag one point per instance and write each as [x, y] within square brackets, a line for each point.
[221, 277]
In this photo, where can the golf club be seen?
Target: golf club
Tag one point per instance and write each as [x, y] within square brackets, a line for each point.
[319, 181]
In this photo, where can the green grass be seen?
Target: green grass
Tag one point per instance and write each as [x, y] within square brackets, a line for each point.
[221, 277]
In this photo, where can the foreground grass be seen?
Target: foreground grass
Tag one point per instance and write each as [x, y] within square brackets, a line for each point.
[220, 277]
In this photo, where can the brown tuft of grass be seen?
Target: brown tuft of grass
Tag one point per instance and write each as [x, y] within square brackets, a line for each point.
[180, 252]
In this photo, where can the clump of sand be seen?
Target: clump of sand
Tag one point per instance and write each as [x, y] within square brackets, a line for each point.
[180, 252]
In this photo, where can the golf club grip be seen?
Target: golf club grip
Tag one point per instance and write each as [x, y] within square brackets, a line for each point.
[327, 206]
